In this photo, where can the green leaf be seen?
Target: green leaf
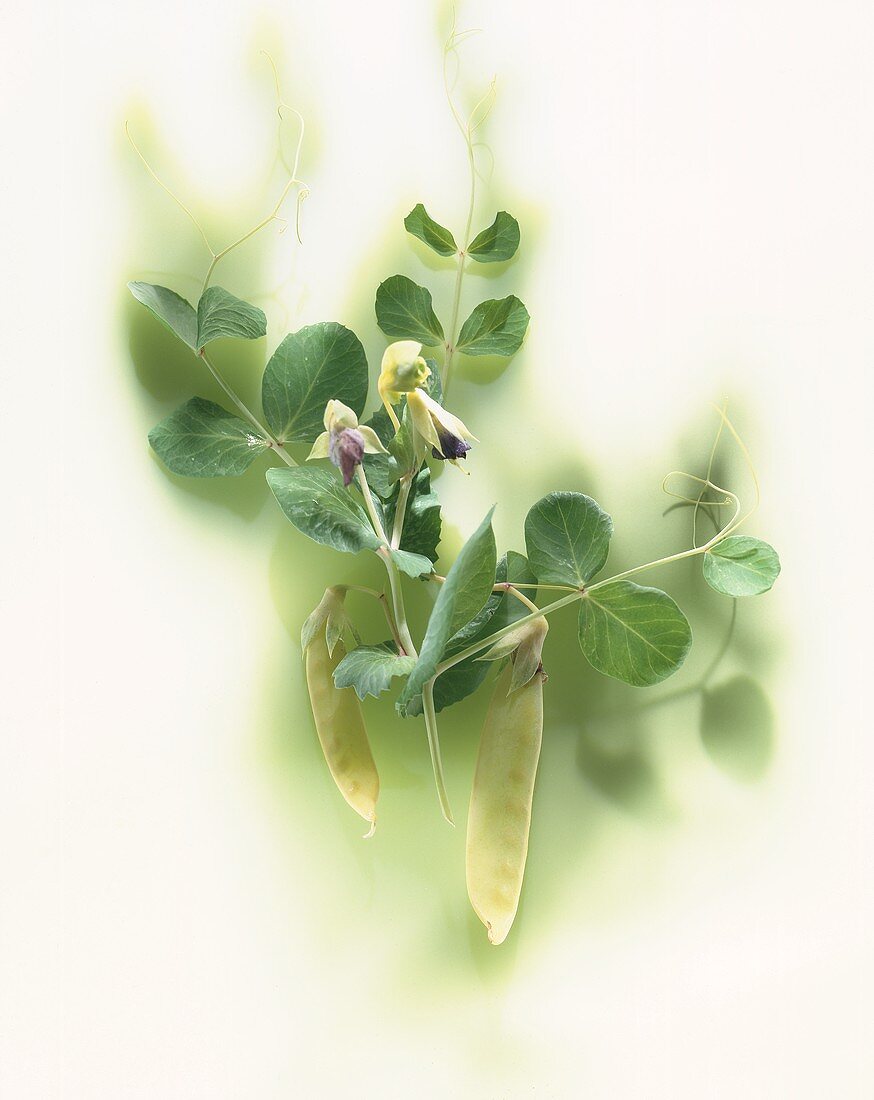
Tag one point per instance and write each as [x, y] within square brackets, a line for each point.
[498, 242]
[496, 327]
[500, 610]
[319, 507]
[370, 669]
[467, 587]
[567, 536]
[220, 313]
[414, 565]
[201, 439]
[420, 223]
[635, 634]
[170, 308]
[404, 312]
[308, 368]
[741, 566]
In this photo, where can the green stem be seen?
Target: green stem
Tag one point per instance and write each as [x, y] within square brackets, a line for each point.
[459, 276]
[400, 510]
[485, 643]
[397, 599]
[247, 412]
[394, 580]
[407, 644]
[216, 256]
[434, 748]
[453, 323]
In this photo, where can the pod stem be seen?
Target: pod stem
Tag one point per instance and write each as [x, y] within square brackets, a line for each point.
[434, 747]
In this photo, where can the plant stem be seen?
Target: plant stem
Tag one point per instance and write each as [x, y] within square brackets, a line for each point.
[511, 588]
[391, 623]
[376, 522]
[407, 644]
[216, 256]
[394, 580]
[247, 412]
[434, 748]
[477, 647]
[382, 600]
[397, 599]
[400, 510]
[462, 259]
[453, 323]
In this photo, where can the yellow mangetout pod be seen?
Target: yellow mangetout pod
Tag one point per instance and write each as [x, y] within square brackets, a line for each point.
[500, 803]
[341, 730]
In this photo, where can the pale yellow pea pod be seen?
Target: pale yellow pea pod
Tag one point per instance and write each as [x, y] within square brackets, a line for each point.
[341, 730]
[500, 803]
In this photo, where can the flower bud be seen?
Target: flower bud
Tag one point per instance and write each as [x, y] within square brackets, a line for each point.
[524, 647]
[344, 441]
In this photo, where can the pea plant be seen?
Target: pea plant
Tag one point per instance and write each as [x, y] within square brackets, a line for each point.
[365, 487]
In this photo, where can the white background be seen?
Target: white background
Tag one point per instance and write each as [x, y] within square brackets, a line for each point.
[698, 182]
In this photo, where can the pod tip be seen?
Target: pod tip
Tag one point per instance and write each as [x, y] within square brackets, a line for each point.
[372, 828]
[496, 935]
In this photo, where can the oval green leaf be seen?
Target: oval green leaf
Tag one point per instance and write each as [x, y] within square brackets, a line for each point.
[404, 311]
[567, 536]
[220, 313]
[634, 634]
[308, 368]
[201, 439]
[420, 224]
[498, 242]
[170, 308]
[370, 669]
[414, 565]
[320, 508]
[741, 566]
[496, 327]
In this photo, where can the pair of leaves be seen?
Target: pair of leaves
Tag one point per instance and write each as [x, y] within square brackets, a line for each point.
[496, 243]
[404, 312]
[309, 367]
[201, 439]
[219, 314]
[627, 631]
[315, 502]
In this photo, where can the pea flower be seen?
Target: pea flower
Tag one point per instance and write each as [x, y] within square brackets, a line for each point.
[447, 436]
[403, 369]
[344, 441]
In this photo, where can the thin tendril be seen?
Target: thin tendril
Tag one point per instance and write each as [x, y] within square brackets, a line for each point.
[750, 467]
[709, 473]
[303, 190]
[164, 187]
[293, 181]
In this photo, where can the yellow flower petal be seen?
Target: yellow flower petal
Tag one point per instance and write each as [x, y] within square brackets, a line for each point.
[320, 447]
[372, 443]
